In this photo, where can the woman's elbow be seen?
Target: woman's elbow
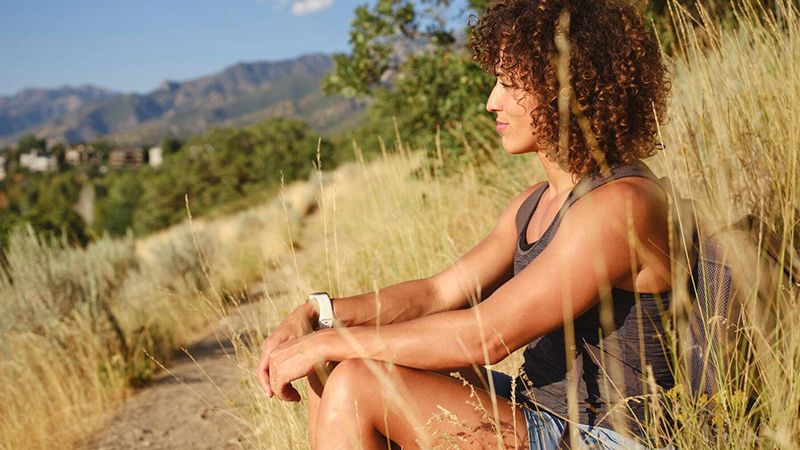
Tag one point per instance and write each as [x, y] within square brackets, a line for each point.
[489, 350]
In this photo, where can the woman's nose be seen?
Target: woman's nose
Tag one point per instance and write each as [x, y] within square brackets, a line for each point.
[493, 103]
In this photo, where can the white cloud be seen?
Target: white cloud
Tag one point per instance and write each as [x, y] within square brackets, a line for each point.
[303, 7]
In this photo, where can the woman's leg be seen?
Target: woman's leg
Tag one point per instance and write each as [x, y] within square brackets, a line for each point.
[314, 389]
[364, 402]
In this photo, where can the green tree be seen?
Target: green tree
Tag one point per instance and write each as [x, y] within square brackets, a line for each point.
[29, 142]
[405, 55]
[224, 166]
[118, 202]
[103, 148]
[170, 145]
[51, 209]
[60, 152]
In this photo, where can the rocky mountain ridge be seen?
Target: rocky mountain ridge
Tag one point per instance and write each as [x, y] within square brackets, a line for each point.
[239, 95]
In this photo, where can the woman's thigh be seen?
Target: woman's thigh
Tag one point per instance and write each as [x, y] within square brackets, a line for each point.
[417, 408]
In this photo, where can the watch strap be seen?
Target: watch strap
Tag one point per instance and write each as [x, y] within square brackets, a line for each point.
[325, 308]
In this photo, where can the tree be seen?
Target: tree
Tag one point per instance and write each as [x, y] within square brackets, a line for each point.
[29, 142]
[408, 57]
[120, 199]
[60, 152]
[170, 145]
[51, 211]
[102, 148]
[223, 166]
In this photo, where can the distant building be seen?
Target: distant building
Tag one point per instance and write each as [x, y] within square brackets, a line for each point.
[132, 157]
[2, 168]
[82, 154]
[72, 156]
[155, 156]
[36, 163]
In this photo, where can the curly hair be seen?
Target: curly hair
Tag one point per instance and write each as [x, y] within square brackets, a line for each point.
[619, 79]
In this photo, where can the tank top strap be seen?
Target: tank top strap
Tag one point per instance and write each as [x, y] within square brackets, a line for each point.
[636, 168]
[527, 206]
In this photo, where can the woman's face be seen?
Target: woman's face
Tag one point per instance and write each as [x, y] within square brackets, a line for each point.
[514, 123]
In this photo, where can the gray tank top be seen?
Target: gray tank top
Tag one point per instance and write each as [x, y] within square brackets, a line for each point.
[606, 368]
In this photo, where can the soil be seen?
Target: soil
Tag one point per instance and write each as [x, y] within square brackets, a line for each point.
[198, 404]
[193, 405]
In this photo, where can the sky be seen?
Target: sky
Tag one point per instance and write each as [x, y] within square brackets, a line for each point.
[132, 46]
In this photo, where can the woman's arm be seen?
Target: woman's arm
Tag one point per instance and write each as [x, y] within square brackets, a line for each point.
[485, 267]
[488, 265]
[580, 264]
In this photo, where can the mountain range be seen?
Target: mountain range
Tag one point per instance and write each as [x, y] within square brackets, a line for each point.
[239, 95]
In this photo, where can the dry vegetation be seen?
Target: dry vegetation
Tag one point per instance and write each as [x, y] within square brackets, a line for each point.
[81, 327]
[732, 143]
[74, 322]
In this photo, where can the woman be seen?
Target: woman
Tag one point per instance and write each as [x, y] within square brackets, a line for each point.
[577, 268]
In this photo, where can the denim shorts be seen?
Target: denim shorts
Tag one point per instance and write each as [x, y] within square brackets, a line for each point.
[545, 429]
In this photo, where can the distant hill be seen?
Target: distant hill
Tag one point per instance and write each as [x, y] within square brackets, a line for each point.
[239, 95]
[31, 107]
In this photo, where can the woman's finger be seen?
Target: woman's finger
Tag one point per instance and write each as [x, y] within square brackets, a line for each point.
[262, 372]
[269, 345]
[281, 384]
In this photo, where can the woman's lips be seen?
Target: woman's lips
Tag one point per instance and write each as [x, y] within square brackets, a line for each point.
[501, 126]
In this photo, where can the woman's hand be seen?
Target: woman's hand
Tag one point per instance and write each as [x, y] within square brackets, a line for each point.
[298, 324]
[292, 360]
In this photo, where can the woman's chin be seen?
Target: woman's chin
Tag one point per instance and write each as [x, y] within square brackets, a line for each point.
[517, 150]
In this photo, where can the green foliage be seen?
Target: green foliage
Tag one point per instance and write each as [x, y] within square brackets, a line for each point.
[373, 33]
[46, 202]
[404, 55]
[103, 148]
[119, 194]
[30, 142]
[224, 165]
[170, 145]
[50, 208]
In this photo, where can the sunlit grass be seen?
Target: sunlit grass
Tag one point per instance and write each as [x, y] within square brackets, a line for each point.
[732, 143]
[74, 322]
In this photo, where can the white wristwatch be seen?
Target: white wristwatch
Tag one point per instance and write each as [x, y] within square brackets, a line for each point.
[325, 308]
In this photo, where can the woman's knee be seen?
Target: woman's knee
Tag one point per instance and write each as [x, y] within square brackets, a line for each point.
[348, 391]
[348, 379]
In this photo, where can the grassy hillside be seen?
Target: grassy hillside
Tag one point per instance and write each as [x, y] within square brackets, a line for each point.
[732, 143]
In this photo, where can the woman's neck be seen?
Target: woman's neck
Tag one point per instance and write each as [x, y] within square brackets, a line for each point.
[560, 181]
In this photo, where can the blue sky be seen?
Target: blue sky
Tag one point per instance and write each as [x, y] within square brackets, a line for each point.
[132, 46]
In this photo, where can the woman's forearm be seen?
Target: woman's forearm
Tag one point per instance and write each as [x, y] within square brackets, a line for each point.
[446, 340]
[397, 303]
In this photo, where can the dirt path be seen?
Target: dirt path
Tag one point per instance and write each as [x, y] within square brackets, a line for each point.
[190, 407]
[194, 406]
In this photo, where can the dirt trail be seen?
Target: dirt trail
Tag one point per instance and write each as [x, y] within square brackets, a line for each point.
[190, 407]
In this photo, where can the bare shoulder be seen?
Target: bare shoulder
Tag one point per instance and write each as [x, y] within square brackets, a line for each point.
[645, 197]
[635, 201]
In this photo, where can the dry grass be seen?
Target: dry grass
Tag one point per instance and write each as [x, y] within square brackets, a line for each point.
[732, 143]
[81, 327]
